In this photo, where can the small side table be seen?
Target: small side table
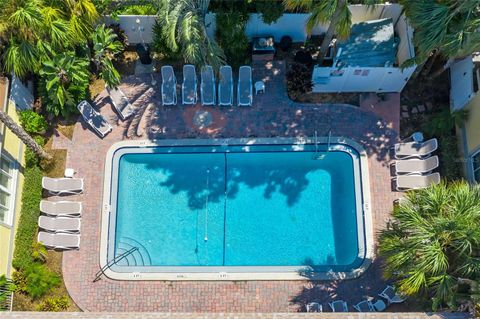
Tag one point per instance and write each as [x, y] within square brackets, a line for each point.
[417, 137]
[259, 87]
[69, 172]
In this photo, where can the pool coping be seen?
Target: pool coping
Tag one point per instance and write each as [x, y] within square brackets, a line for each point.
[237, 276]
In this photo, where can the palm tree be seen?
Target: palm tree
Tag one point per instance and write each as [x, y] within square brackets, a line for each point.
[432, 245]
[447, 29]
[31, 31]
[333, 12]
[63, 83]
[23, 136]
[105, 47]
[184, 30]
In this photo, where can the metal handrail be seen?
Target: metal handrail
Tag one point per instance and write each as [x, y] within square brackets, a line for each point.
[116, 259]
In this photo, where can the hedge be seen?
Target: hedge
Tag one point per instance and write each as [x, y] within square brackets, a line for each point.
[28, 223]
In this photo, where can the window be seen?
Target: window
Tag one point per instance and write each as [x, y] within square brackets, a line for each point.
[476, 166]
[7, 174]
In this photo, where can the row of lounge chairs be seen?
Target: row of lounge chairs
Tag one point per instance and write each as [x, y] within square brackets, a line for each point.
[388, 294]
[208, 87]
[414, 165]
[60, 221]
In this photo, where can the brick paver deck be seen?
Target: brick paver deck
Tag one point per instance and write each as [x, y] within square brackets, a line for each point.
[272, 114]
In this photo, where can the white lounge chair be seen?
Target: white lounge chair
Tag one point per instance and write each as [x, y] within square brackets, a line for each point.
[418, 166]
[225, 86]
[169, 86]
[59, 224]
[120, 103]
[58, 186]
[364, 306]
[391, 296]
[244, 88]
[415, 149]
[407, 182]
[61, 208]
[59, 241]
[314, 307]
[339, 306]
[207, 87]
[189, 85]
[94, 119]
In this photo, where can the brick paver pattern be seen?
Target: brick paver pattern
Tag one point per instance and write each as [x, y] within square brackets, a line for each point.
[272, 115]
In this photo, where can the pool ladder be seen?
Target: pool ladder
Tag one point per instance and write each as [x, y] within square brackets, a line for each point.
[115, 260]
[316, 155]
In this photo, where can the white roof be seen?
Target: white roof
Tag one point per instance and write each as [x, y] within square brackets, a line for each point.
[461, 83]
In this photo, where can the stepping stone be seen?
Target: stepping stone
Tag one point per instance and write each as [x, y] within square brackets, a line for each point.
[429, 105]
[421, 108]
[405, 108]
[405, 115]
[414, 110]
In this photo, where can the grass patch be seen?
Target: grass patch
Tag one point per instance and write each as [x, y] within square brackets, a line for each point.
[95, 88]
[66, 130]
[55, 298]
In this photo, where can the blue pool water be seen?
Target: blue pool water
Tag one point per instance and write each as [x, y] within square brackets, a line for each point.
[208, 207]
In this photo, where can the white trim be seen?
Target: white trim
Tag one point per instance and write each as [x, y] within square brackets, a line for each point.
[363, 212]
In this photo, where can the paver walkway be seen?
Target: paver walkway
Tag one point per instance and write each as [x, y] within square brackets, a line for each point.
[272, 114]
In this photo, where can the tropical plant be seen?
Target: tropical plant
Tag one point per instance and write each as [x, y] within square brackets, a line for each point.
[432, 245]
[33, 122]
[31, 31]
[184, 31]
[231, 36]
[39, 252]
[39, 280]
[23, 136]
[299, 80]
[105, 48]
[447, 28]
[63, 83]
[54, 304]
[333, 12]
[271, 11]
[445, 122]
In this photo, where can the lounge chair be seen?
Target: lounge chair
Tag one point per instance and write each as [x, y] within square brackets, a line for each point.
[94, 119]
[61, 208]
[189, 85]
[391, 296]
[314, 307]
[339, 306]
[64, 185]
[120, 103]
[415, 149]
[207, 88]
[59, 224]
[244, 88]
[407, 182]
[364, 306]
[225, 86]
[59, 241]
[169, 86]
[418, 166]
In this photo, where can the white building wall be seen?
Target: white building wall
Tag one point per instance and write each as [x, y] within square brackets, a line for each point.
[292, 24]
[461, 83]
[20, 94]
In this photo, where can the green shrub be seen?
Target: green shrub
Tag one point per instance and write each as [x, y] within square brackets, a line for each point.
[20, 281]
[6, 287]
[271, 11]
[299, 80]
[33, 122]
[159, 44]
[231, 37]
[450, 163]
[30, 158]
[28, 223]
[40, 280]
[443, 123]
[54, 304]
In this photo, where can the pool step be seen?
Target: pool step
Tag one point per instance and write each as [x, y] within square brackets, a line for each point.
[140, 257]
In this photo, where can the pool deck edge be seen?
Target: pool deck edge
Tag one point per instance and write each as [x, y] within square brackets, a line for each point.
[368, 254]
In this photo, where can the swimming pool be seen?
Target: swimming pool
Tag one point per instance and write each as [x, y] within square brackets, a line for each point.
[234, 209]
